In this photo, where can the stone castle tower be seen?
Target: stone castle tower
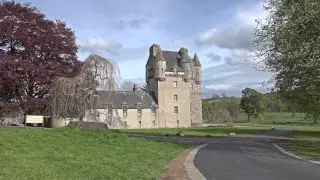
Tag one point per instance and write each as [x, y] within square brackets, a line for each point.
[174, 81]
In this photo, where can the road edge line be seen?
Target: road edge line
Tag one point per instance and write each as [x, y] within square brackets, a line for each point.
[192, 171]
[293, 155]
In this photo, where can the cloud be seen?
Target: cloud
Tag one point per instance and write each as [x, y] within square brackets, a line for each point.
[238, 34]
[213, 57]
[99, 45]
[219, 86]
[133, 24]
[228, 38]
[231, 79]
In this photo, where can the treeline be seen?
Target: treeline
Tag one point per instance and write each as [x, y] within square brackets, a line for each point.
[224, 109]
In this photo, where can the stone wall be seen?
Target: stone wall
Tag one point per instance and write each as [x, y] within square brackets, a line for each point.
[166, 103]
[195, 103]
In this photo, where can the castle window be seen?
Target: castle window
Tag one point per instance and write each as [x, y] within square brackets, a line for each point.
[139, 108]
[125, 110]
[139, 124]
[109, 109]
[153, 123]
[175, 97]
[175, 84]
[125, 124]
[176, 111]
[153, 110]
[178, 123]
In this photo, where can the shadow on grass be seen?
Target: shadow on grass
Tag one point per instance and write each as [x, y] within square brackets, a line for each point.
[196, 132]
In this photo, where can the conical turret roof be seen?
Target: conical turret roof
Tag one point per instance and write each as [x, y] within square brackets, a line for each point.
[160, 56]
[196, 60]
[184, 56]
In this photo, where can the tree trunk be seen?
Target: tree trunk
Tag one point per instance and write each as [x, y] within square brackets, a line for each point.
[248, 117]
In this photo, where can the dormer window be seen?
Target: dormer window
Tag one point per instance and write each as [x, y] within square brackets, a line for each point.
[109, 109]
[125, 109]
[153, 108]
[139, 108]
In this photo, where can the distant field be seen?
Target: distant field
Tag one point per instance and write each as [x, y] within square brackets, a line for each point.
[282, 118]
[74, 154]
[199, 131]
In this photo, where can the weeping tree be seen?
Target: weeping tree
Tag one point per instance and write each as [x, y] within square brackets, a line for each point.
[76, 97]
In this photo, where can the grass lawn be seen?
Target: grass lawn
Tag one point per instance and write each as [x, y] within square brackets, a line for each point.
[73, 154]
[304, 141]
[306, 149]
[277, 118]
[199, 131]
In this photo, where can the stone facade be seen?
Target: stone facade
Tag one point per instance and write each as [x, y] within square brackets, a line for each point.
[196, 104]
[175, 81]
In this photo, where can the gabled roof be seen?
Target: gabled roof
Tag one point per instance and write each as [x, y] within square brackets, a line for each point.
[118, 98]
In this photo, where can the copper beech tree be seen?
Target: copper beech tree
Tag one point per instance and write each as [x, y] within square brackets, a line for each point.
[33, 51]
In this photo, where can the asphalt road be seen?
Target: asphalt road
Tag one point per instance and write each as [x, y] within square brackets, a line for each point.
[245, 158]
[251, 161]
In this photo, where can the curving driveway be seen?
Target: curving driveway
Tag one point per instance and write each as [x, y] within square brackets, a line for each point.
[251, 161]
[246, 158]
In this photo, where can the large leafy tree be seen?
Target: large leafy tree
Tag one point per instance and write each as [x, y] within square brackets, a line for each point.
[252, 102]
[287, 43]
[33, 50]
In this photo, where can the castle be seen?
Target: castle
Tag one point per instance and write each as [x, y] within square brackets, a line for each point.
[172, 97]
[174, 81]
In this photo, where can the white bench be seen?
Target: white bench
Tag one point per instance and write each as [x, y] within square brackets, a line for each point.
[34, 119]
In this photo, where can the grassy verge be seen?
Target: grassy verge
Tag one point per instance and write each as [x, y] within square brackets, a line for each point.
[306, 149]
[199, 131]
[73, 154]
[296, 127]
[304, 142]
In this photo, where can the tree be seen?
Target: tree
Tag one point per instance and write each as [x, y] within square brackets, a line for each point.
[33, 51]
[231, 104]
[287, 44]
[76, 96]
[128, 86]
[252, 102]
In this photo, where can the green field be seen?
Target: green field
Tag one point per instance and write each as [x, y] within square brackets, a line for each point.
[282, 118]
[73, 154]
[199, 131]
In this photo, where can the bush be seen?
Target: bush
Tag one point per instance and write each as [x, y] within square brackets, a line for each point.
[220, 116]
[260, 117]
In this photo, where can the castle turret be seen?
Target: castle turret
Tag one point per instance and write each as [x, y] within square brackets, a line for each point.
[197, 65]
[185, 63]
[161, 65]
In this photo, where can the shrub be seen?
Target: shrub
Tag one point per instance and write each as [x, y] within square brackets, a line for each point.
[260, 117]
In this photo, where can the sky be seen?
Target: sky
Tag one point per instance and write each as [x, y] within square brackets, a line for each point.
[219, 31]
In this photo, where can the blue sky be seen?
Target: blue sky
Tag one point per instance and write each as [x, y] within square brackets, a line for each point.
[218, 30]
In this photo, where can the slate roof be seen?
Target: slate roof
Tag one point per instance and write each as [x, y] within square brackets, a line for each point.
[117, 98]
[172, 60]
